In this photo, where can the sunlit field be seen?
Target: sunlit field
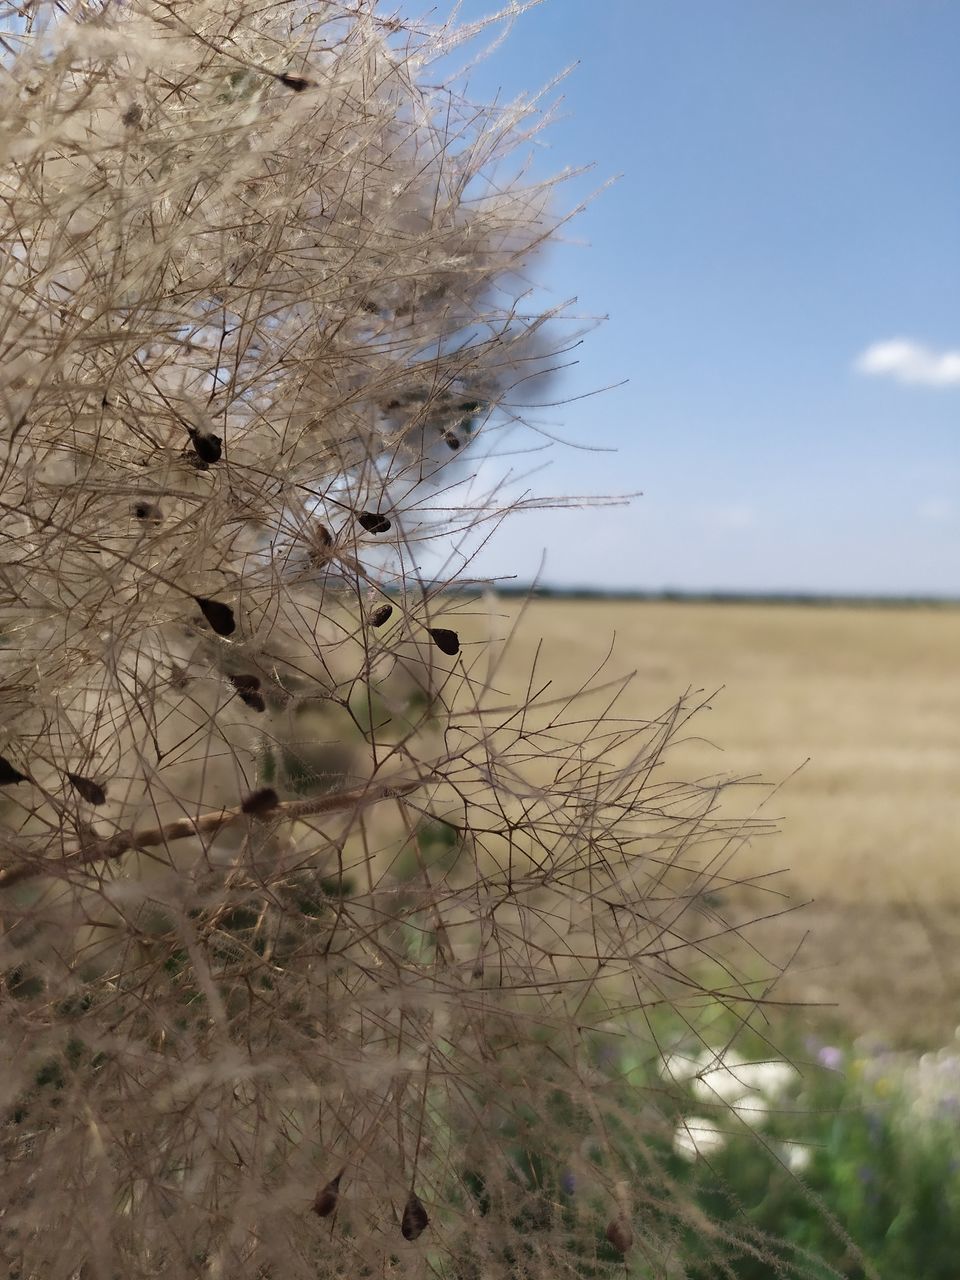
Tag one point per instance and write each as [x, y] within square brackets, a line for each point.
[855, 712]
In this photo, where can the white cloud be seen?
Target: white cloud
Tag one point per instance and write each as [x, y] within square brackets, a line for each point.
[910, 362]
[937, 511]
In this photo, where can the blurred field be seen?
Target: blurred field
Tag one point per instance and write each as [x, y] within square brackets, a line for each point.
[865, 703]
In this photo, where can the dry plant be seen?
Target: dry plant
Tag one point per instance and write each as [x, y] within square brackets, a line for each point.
[308, 941]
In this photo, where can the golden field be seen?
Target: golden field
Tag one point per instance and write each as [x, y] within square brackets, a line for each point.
[856, 710]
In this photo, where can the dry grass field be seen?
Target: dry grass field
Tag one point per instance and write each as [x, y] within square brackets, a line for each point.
[856, 712]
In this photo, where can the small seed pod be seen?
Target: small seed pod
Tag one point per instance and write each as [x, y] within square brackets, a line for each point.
[296, 83]
[381, 614]
[248, 688]
[327, 1197]
[321, 535]
[451, 440]
[91, 791]
[9, 775]
[414, 1219]
[208, 448]
[447, 641]
[220, 616]
[373, 522]
[147, 511]
[319, 540]
[260, 802]
[620, 1233]
[133, 115]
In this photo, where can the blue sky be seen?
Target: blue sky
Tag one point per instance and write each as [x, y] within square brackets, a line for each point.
[779, 263]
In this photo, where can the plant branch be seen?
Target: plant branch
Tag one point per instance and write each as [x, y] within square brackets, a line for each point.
[204, 824]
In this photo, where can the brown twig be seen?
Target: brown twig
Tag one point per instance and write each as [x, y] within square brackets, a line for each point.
[204, 824]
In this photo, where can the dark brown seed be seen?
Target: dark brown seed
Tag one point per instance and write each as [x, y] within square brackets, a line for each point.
[451, 441]
[10, 775]
[327, 1197]
[245, 683]
[296, 83]
[147, 511]
[132, 115]
[220, 616]
[414, 1218]
[373, 522]
[260, 802]
[319, 540]
[91, 791]
[447, 641]
[207, 447]
[620, 1234]
[380, 615]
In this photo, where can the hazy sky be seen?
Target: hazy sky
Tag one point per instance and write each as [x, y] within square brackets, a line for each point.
[780, 266]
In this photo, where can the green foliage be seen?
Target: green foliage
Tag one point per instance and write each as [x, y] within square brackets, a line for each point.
[885, 1163]
[435, 846]
[855, 1168]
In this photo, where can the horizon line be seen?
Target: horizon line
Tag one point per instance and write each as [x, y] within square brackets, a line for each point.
[711, 595]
